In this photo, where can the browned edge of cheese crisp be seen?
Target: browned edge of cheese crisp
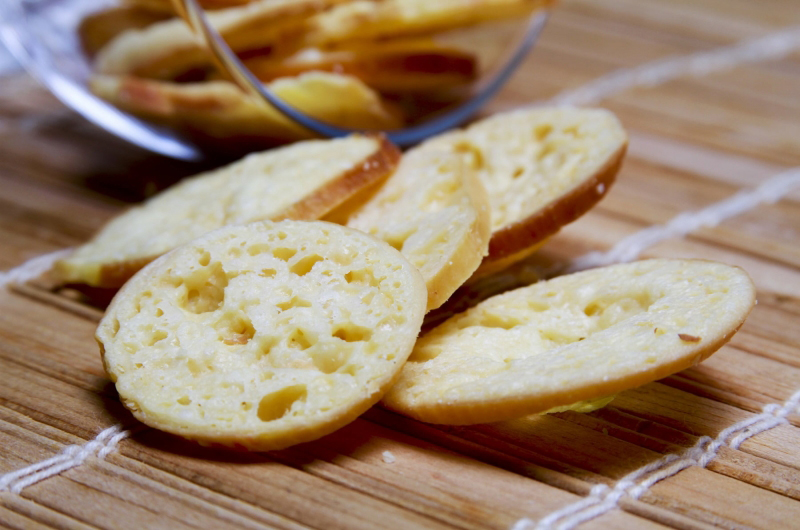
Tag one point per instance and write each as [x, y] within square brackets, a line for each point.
[513, 242]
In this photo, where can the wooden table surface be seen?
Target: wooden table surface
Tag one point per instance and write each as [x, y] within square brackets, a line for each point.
[698, 138]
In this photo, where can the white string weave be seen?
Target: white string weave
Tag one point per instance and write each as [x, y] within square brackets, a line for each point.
[31, 268]
[603, 499]
[71, 456]
[629, 248]
[770, 47]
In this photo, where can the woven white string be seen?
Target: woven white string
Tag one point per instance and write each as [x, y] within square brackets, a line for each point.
[770, 47]
[603, 499]
[31, 268]
[71, 456]
[631, 247]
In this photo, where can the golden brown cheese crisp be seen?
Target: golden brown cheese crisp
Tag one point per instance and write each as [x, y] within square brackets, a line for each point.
[301, 181]
[542, 168]
[219, 115]
[368, 20]
[434, 210]
[167, 6]
[264, 335]
[394, 66]
[170, 48]
[573, 338]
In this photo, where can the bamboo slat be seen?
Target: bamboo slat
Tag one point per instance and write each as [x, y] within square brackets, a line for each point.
[695, 141]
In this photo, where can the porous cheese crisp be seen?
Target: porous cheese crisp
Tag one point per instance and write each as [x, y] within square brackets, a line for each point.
[433, 210]
[170, 48]
[542, 168]
[263, 335]
[573, 338]
[220, 115]
[301, 181]
[369, 20]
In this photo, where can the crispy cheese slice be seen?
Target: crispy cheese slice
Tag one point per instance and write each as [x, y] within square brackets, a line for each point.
[394, 66]
[570, 339]
[434, 210]
[303, 181]
[542, 167]
[167, 49]
[369, 20]
[264, 335]
[166, 6]
[219, 115]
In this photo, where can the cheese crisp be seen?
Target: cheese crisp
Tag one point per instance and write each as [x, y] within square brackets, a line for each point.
[264, 335]
[166, 6]
[167, 49]
[573, 338]
[370, 20]
[433, 210]
[396, 66]
[301, 181]
[219, 114]
[542, 167]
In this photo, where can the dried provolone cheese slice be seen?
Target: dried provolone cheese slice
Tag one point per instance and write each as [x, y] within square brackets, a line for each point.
[301, 181]
[542, 168]
[573, 338]
[263, 335]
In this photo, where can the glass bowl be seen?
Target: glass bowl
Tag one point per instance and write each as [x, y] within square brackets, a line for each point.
[44, 36]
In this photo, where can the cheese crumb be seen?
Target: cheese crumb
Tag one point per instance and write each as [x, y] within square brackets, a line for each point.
[388, 457]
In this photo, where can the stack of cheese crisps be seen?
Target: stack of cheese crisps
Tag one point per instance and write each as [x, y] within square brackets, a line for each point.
[363, 64]
[291, 286]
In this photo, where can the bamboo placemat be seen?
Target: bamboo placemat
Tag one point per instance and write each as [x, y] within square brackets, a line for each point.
[710, 93]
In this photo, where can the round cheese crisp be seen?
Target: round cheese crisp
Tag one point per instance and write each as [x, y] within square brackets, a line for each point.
[570, 339]
[264, 335]
[301, 181]
[542, 167]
